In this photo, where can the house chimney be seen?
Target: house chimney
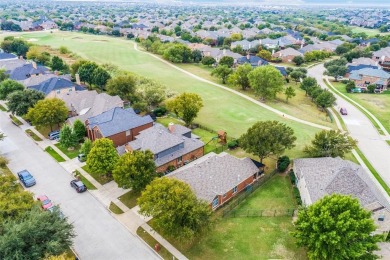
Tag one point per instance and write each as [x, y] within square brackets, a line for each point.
[171, 127]
[56, 72]
[34, 64]
[20, 57]
[78, 79]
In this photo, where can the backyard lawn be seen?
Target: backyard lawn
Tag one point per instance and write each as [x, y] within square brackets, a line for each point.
[222, 110]
[377, 104]
[254, 237]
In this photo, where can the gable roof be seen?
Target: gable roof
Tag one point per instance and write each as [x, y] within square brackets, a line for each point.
[215, 174]
[253, 60]
[7, 56]
[287, 52]
[359, 67]
[357, 74]
[117, 120]
[25, 71]
[55, 83]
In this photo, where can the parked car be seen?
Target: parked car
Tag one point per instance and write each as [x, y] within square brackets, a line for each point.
[343, 111]
[81, 157]
[78, 186]
[26, 178]
[46, 203]
[54, 135]
[56, 209]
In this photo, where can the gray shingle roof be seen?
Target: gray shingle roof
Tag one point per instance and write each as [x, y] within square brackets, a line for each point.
[25, 71]
[357, 74]
[213, 174]
[117, 120]
[55, 83]
[328, 175]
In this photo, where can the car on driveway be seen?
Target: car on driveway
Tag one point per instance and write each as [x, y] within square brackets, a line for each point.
[26, 178]
[343, 111]
[78, 186]
[46, 203]
[54, 135]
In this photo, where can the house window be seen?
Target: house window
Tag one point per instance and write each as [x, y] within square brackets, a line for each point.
[235, 189]
[215, 202]
[128, 132]
[224, 195]
[180, 159]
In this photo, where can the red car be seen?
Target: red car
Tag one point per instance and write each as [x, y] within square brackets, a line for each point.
[46, 202]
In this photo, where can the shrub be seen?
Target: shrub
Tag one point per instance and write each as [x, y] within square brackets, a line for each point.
[232, 144]
[283, 163]
[292, 177]
[3, 161]
[160, 111]
[344, 81]
[297, 195]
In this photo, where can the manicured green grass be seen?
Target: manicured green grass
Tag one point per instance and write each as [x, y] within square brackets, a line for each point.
[70, 153]
[54, 154]
[145, 236]
[130, 199]
[222, 110]
[16, 120]
[252, 237]
[377, 104]
[2, 108]
[368, 31]
[373, 171]
[115, 209]
[33, 135]
[102, 179]
[86, 182]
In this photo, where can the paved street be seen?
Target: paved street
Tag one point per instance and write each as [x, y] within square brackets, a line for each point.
[376, 150]
[99, 235]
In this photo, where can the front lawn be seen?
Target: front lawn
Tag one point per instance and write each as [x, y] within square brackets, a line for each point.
[130, 199]
[33, 135]
[15, 120]
[252, 237]
[115, 209]
[164, 253]
[86, 182]
[101, 178]
[70, 153]
[54, 154]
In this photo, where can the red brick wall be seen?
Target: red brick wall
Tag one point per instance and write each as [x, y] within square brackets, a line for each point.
[365, 79]
[187, 157]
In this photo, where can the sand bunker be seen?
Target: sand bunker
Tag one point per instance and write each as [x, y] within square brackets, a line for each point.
[32, 40]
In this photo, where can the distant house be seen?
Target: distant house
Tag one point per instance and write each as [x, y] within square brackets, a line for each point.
[287, 55]
[255, 61]
[368, 76]
[318, 177]
[118, 124]
[382, 57]
[216, 178]
[26, 71]
[172, 147]
[55, 86]
[324, 46]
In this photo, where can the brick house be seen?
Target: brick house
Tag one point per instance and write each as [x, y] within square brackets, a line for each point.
[382, 57]
[287, 55]
[216, 178]
[368, 76]
[118, 124]
[55, 86]
[172, 147]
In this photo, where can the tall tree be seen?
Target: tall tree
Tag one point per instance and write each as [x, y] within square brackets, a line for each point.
[79, 130]
[102, 157]
[86, 147]
[298, 60]
[268, 137]
[3, 75]
[325, 99]
[38, 234]
[337, 227]
[297, 75]
[48, 112]
[100, 77]
[239, 77]
[264, 54]
[289, 92]
[135, 170]
[330, 143]
[58, 64]
[86, 70]
[19, 102]
[308, 83]
[208, 61]
[180, 213]
[226, 60]
[8, 86]
[186, 106]
[67, 138]
[266, 81]
[336, 71]
[151, 92]
[123, 86]
[223, 72]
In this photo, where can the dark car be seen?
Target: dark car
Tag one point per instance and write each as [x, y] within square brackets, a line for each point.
[343, 111]
[78, 186]
[26, 178]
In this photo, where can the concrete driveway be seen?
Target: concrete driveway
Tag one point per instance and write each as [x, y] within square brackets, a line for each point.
[99, 235]
[373, 145]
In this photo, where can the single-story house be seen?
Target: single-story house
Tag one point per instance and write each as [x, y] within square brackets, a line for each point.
[118, 124]
[172, 147]
[318, 177]
[287, 55]
[216, 178]
[368, 76]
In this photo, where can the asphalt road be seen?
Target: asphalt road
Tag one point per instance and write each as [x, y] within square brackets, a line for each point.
[99, 235]
[376, 150]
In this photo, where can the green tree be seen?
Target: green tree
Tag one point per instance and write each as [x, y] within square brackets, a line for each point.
[289, 92]
[38, 234]
[135, 170]
[102, 157]
[208, 61]
[186, 106]
[100, 77]
[86, 147]
[239, 77]
[266, 81]
[308, 83]
[223, 72]
[349, 86]
[297, 75]
[325, 99]
[3, 75]
[180, 213]
[337, 227]
[196, 56]
[268, 137]
[64, 50]
[58, 64]
[48, 112]
[86, 71]
[298, 60]
[19, 102]
[371, 88]
[336, 71]
[226, 60]
[151, 93]
[264, 54]
[8, 86]
[67, 138]
[178, 53]
[74, 68]
[79, 130]
[123, 86]
[330, 143]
